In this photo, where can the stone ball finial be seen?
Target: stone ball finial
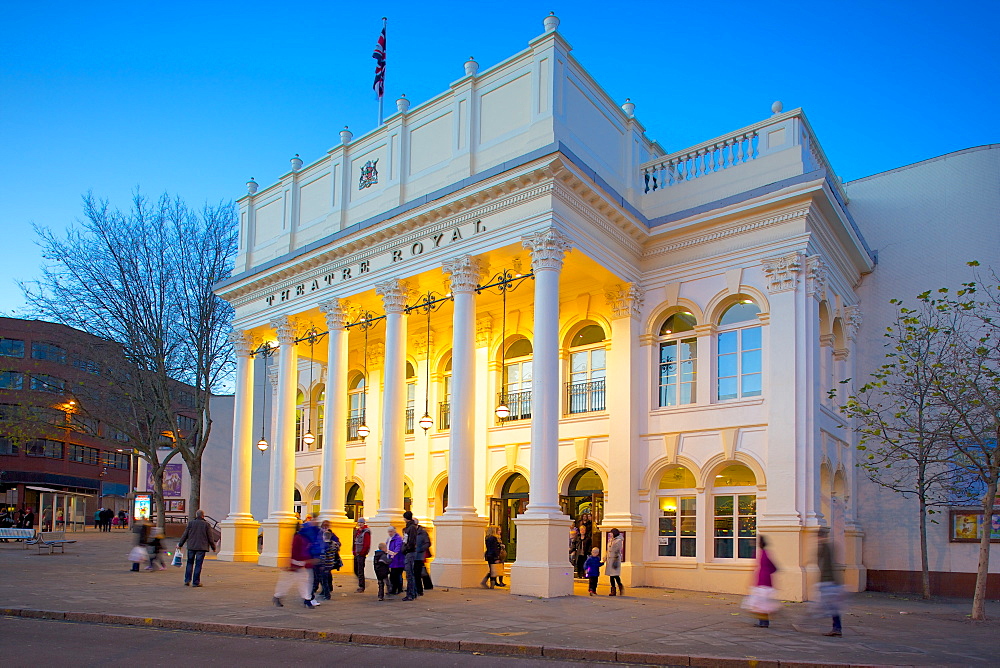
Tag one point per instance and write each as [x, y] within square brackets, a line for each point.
[776, 107]
[296, 163]
[629, 107]
[402, 104]
[551, 22]
[346, 136]
[471, 67]
[252, 186]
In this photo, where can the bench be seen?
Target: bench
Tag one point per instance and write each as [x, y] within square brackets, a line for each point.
[52, 540]
[9, 533]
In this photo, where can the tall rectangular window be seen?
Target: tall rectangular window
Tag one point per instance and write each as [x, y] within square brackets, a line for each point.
[11, 348]
[84, 455]
[735, 526]
[7, 447]
[678, 369]
[678, 527]
[740, 371]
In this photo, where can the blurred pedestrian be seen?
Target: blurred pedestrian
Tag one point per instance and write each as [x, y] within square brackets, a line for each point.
[830, 592]
[330, 561]
[157, 552]
[198, 536]
[761, 601]
[298, 575]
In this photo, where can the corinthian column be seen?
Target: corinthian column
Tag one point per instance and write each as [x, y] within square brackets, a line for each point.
[541, 568]
[460, 530]
[281, 521]
[239, 530]
[390, 507]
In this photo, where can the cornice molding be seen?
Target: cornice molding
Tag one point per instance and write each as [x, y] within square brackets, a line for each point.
[743, 227]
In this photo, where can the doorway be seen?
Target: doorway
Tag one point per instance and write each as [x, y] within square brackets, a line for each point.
[355, 505]
[512, 502]
[584, 503]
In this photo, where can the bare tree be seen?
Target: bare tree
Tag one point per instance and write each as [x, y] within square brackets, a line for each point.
[143, 278]
[903, 427]
[968, 383]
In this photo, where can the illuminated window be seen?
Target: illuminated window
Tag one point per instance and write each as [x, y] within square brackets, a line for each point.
[739, 355]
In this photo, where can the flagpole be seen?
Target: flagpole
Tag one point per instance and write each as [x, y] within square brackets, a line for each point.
[382, 95]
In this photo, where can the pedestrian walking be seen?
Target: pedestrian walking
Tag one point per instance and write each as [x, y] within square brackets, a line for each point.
[592, 567]
[330, 560]
[583, 552]
[157, 552]
[380, 561]
[492, 556]
[298, 575]
[613, 569]
[398, 562]
[761, 601]
[361, 545]
[198, 536]
[140, 551]
[421, 553]
[830, 592]
[122, 519]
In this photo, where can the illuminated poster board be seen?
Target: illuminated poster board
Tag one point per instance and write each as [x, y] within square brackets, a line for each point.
[143, 504]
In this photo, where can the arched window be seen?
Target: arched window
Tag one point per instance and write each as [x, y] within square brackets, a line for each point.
[444, 406]
[407, 497]
[678, 360]
[320, 415]
[587, 369]
[734, 496]
[677, 532]
[300, 412]
[297, 503]
[516, 382]
[314, 510]
[354, 507]
[356, 406]
[740, 359]
[411, 396]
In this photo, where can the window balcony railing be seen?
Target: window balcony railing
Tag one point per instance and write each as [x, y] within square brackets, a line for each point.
[444, 415]
[409, 421]
[585, 397]
[352, 427]
[518, 403]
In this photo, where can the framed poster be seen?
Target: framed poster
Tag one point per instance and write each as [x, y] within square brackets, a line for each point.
[173, 478]
[175, 505]
[967, 525]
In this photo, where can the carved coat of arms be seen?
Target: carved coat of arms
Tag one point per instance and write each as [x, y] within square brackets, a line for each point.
[369, 174]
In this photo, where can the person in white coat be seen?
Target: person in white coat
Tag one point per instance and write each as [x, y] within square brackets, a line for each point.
[613, 562]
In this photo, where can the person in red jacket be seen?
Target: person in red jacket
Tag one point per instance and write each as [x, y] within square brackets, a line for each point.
[298, 574]
[362, 544]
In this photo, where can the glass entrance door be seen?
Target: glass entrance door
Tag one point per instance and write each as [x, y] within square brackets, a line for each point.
[512, 502]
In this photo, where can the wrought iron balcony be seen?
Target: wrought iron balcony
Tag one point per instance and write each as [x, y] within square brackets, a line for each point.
[444, 415]
[585, 397]
[518, 403]
[409, 421]
[352, 427]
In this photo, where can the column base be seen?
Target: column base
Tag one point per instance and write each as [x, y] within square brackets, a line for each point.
[460, 542]
[239, 539]
[277, 541]
[542, 567]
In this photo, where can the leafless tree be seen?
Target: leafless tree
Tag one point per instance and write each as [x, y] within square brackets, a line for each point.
[143, 278]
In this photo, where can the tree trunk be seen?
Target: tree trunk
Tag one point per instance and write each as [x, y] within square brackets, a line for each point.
[194, 498]
[925, 577]
[979, 598]
[161, 516]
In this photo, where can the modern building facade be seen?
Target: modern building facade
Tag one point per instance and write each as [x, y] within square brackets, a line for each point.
[584, 322]
[48, 446]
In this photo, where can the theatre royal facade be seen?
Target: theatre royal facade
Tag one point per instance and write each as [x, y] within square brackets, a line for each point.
[508, 306]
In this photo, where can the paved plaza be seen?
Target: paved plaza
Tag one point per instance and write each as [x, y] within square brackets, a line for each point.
[91, 582]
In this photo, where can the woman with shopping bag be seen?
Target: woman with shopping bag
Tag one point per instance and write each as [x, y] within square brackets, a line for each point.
[762, 600]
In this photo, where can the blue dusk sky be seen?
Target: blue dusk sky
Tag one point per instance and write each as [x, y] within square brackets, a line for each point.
[195, 98]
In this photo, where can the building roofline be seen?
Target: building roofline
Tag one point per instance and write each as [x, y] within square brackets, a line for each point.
[971, 149]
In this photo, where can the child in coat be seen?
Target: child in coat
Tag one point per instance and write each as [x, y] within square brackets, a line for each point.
[592, 567]
[381, 561]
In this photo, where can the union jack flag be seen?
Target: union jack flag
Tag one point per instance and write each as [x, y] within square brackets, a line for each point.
[379, 56]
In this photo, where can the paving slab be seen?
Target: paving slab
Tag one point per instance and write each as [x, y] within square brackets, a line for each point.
[91, 582]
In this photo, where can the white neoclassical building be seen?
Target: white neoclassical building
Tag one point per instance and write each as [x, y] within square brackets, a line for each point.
[583, 322]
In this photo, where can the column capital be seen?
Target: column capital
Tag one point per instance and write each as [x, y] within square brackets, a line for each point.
[625, 300]
[548, 247]
[854, 319]
[393, 293]
[287, 328]
[465, 272]
[816, 277]
[335, 311]
[782, 272]
[243, 342]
